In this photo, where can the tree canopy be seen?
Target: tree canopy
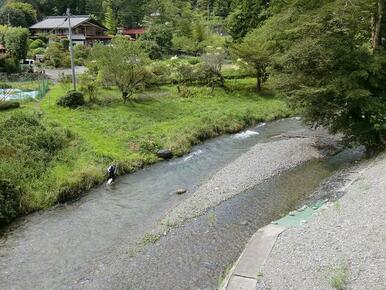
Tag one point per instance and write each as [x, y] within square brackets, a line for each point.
[323, 61]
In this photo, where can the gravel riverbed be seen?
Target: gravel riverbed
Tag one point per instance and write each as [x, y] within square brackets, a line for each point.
[258, 164]
[343, 246]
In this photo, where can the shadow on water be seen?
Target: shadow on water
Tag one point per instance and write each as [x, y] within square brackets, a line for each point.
[91, 237]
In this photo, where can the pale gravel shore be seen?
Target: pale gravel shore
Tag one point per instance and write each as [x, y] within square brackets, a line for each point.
[260, 163]
[349, 234]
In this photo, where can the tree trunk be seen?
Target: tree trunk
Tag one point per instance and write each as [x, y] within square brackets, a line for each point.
[382, 137]
[125, 97]
[377, 24]
[258, 83]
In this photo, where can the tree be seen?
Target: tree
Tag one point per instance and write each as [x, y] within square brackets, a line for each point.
[56, 55]
[158, 38]
[18, 14]
[254, 53]
[15, 39]
[124, 62]
[213, 60]
[377, 24]
[109, 21]
[248, 15]
[325, 65]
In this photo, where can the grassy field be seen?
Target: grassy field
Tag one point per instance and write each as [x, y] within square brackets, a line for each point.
[130, 134]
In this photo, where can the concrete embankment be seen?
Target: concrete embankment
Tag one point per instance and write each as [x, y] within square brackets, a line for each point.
[343, 246]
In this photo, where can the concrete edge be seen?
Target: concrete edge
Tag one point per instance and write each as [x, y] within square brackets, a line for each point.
[265, 239]
[244, 273]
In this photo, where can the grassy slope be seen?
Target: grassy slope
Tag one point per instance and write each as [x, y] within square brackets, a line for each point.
[129, 134]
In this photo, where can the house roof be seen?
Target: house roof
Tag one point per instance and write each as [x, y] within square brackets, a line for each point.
[133, 30]
[61, 22]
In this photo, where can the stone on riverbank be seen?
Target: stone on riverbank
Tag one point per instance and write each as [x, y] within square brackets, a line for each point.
[165, 154]
[181, 191]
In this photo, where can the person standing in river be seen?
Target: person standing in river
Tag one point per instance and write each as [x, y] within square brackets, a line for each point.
[112, 171]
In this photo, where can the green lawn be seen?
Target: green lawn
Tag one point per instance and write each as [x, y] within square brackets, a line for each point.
[130, 134]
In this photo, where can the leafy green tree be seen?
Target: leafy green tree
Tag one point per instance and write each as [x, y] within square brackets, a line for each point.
[15, 39]
[109, 21]
[124, 62]
[158, 39]
[254, 54]
[248, 15]
[325, 65]
[29, 12]
[56, 56]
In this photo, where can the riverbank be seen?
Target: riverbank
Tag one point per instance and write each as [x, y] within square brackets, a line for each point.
[104, 240]
[260, 163]
[343, 246]
[128, 135]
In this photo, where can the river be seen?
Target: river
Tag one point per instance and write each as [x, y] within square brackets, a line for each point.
[95, 242]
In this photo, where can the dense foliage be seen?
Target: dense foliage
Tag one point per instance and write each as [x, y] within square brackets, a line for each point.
[15, 40]
[18, 14]
[123, 63]
[26, 149]
[326, 66]
[9, 201]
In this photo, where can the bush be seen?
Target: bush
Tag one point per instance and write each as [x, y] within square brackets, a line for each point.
[56, 56]
[89, 86]
[10, 65]
[159, 73]
[193, 60]
[36, 44]
[27, 149]
[81, 53]
[9, 202]
[72, 99]
[9, 105]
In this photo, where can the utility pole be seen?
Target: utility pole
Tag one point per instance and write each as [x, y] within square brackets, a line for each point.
[71, 49]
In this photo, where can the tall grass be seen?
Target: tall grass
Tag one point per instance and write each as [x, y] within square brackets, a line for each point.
[128, 135]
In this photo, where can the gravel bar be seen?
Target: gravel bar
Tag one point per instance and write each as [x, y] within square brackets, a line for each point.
[260, 163]
[343, 247]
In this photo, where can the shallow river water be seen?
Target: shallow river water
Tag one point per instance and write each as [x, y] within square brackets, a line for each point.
[95, 242]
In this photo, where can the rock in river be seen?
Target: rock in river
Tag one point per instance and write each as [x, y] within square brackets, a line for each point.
[165, 154]
[181, 191]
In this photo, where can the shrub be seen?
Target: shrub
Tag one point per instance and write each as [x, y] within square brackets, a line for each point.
[159, 73]
[81, 53]
[27, 149]
[72, 99]
[89, 86]
[193, 60]
[10, 65]
[9, 202]
[36, 44]
[56, 56]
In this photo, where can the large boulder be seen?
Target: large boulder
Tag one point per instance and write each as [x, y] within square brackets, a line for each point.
[165, 154]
